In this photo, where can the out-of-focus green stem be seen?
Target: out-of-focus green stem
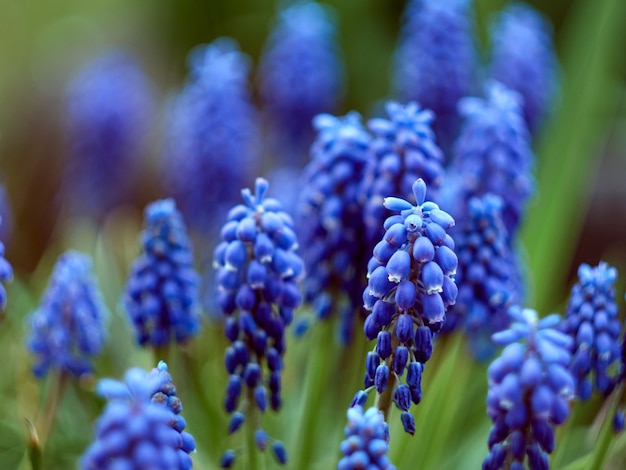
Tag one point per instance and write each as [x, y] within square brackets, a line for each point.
[48, 414]
[162, 353]
[605, 437]
[34, 447]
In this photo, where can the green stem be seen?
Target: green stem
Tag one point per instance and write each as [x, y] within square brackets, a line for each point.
[48, 414]
[251, 427]
[605, 437]
[385, 399]
[162, 353]
[34, 447]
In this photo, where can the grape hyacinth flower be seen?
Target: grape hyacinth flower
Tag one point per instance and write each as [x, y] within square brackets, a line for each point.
[524, 60]
[484, 275]
[141, 426]
[109, 109]
[530, 389]
[162, 288]
[367, 441]
[435, 60]
[330, 219]
[404, 149]
[493, 152]
[257, 274]
[68, 328]
[593, 324]
[6, 275]
[212, 134]
[410, 286]
[300, 75]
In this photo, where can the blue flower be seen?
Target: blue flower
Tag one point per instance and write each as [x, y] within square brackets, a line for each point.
[404, 150]
[484, 275]
[530, 389]
[300, 76]
[6, 275]
[141, 426]
[161, 292]
[68, 328]
[531, 70]
[493, 152]
[367, 441]
[109, 109]
[436, 59]
[257, 274]
[593, 324]
[330, 219]
[212, 134]
[410, 286]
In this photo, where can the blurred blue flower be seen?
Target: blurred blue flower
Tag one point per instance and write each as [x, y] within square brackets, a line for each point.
[524, 60]
[593, 324]
[300, 75]
[109, 111]
[6, 275]
[211, 135]
[68, 328]
[410, 286]
[161, 294]
[436, 60]
[257, 274]
[367, 441]
[141, 426]
[404, 150]
[6, 217]
[530, 389]
[330, 219]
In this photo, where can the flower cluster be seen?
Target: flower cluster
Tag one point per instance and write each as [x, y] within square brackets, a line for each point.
[530, 70]
[300, 75]
[257, 273]
[404, 149]
[109, 109]
[141, 426]
[592, 322]
[530, 389]
[436, 59]
[493, 153]
[212, 134]
[367, 441]
[484, 276]
[410, 287]
[161, 291]
[330, 218]
[6, 275]
[68, 327]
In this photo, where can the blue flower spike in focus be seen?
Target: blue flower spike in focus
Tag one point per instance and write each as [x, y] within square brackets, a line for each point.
[141, 426]
[257, 274]
[410, 286]
[161, 294]
[330, 219]
[530, 389]
[593, 324]
[367, 441]
[6, 275]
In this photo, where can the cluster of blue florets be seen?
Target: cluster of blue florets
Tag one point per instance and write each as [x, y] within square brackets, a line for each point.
[410, 286]
[162, 288]
[68, 329]
[592, 322]
[530, 388]
[257, 274]
[330, 219]
[141, 426]
[367, 441]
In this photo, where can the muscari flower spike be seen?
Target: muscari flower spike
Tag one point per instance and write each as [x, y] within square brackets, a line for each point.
[141, 426]
[162, 289]
[523, 58]
[493, 152]
[300, 76]
[109, 107]
[68, 328]
[484, 275]
[257, 274]
[404, 149]
[6, 275]
[212, 134]
[435, 60]
[530, 388]
[330, 220]
[367, 441]
[593, 324]
[410, 286]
